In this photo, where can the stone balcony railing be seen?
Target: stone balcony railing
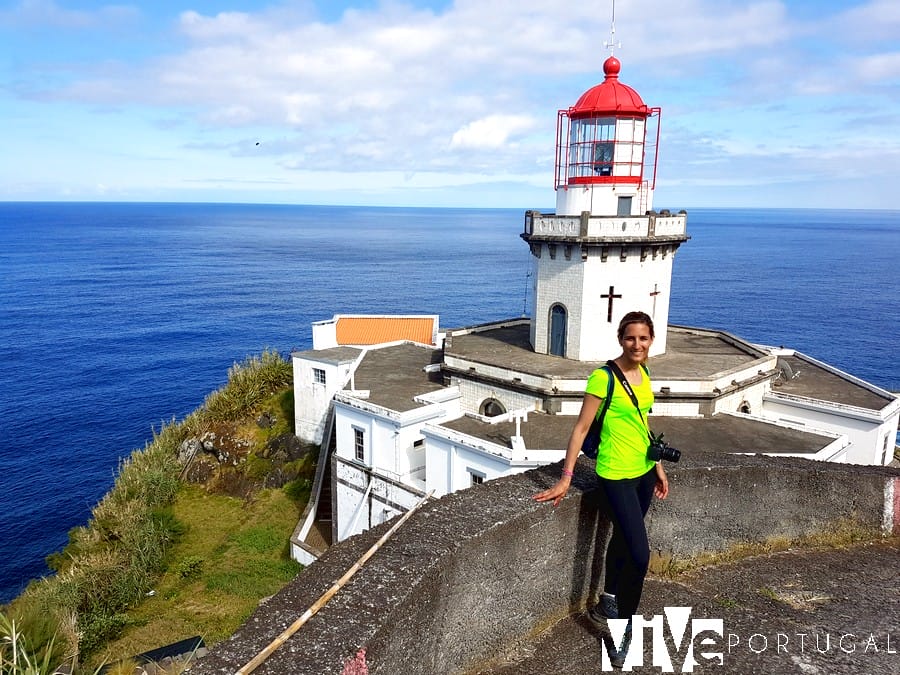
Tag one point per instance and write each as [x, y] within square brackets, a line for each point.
[587, 228]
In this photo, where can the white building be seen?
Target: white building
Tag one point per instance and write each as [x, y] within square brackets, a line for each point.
[402, 409]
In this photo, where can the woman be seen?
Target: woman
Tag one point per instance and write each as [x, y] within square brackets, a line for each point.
[628, 478]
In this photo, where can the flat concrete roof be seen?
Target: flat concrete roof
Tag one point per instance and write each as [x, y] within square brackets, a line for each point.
[730, 434]
[691, 353]
[395, 375]
[719, 433]
[332, 355]
[806, 378]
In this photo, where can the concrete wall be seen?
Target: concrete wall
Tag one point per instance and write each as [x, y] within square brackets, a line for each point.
[472, 573]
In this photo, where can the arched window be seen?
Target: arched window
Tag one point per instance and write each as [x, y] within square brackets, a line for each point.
[744, 407]
[491, 407]
[558, 320]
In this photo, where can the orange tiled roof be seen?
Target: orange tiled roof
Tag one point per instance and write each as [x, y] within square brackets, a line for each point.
[370, 330]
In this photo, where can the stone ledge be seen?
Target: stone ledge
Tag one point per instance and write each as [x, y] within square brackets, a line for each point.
[477, 571]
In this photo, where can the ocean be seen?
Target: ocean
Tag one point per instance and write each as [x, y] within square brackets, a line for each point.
[115, 318]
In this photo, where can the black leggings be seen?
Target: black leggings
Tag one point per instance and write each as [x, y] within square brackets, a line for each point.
[628, 553]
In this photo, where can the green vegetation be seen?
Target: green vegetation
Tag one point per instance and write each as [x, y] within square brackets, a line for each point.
[727, 603]
[162, 559]
[767, 592]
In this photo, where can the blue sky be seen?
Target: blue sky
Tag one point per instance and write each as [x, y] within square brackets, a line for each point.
[771, 104]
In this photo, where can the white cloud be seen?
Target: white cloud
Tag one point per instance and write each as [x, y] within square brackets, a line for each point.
[879, 68]
[493, 131]
[876, 20]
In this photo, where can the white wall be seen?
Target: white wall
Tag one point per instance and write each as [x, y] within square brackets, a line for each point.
[864, 428]
[365, 499]
[473, 394]
[634, 279]
[311, 399]
[324, 333]
[452, 458]
[579, 286]
[450, 466]
[391, 464]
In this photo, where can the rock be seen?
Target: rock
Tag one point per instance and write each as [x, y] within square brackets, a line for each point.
[208, 439]
[286, 447]
[266, 421]
[188, 450]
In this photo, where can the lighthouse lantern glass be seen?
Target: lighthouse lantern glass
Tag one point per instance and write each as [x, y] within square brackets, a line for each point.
[605, 149]
[591, 144]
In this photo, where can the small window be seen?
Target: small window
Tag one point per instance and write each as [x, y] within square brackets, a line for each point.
[318, 376]
[477, 478]
[419, 443]
[359, 444]
[744, 408]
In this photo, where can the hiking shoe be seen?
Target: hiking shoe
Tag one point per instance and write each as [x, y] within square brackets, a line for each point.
[606, 608]
[617, 657]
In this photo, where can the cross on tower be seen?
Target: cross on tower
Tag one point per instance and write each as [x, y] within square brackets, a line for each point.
[653, 295]
[612, 296]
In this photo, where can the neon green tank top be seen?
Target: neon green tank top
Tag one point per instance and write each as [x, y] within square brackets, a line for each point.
[623, 441]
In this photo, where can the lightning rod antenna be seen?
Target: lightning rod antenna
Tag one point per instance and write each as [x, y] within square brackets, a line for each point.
[611, 44]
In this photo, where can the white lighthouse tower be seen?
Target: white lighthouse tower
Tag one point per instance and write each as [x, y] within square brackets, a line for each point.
[605, 252]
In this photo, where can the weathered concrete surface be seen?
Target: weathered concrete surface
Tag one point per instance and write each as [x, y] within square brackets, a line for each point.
[814, 612]
[720, 500]
[473, 574]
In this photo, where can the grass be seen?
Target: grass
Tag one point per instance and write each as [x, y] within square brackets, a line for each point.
[152, 539]
[767, 592]
[242, 549]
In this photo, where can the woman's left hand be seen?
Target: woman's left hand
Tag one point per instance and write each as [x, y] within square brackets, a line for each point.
[662, 482]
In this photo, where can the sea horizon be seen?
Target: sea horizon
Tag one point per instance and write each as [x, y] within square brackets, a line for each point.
[523, 209]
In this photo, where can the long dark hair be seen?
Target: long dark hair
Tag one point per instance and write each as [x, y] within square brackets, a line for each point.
[635, 317]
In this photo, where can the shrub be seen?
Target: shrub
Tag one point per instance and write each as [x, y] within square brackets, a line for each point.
[98, 628]
[190, 567]
[257, 468]
[299, 489]
[249, 384]
[286, 405]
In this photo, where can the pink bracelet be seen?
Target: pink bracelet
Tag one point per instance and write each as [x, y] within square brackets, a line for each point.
[566, 472]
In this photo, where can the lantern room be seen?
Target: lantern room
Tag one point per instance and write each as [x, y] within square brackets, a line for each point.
[606, 150]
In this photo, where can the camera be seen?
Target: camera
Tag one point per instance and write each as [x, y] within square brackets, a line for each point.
[660, 450]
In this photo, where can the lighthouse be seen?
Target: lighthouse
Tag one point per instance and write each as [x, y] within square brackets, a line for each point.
[605, 251]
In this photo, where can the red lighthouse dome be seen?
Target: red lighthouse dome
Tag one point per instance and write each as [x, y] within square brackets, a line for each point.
[610, 97]
[606, 146]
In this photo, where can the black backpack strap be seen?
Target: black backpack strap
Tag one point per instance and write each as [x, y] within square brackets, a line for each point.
[591, 443]
[610, 383]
